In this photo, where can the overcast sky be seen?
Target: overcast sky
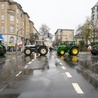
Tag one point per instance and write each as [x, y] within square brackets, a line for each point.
[57, 14]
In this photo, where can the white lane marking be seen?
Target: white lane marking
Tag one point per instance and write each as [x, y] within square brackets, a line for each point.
[77, 88]
[14, 58]
[4, 87]
[33, 60]
[63, 67]
[19, 73]
[38, 55]
[29, 62]
[26, 66]
[60, 63]
[68, 74]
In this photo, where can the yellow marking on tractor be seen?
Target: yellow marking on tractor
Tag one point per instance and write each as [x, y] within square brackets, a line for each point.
[75, 51]
[62, 52]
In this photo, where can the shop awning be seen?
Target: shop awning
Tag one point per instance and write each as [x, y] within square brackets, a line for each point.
[1, 38]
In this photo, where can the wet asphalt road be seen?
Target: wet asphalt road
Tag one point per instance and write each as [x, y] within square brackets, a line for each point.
[48, 76]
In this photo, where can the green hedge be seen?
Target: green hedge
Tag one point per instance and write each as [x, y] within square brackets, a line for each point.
[94, 43]
[83, 48]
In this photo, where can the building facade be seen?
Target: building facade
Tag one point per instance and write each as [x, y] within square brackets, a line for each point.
[62, 35]
[15, 25]
[94, 19]
[94, 14]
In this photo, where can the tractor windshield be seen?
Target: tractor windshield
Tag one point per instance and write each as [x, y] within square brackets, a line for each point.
[69, 42]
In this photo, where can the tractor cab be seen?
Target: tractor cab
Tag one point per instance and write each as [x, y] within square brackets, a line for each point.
[69, 44]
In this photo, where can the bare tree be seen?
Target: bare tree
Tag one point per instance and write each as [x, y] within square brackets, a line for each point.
[87, 31]
[44, 30]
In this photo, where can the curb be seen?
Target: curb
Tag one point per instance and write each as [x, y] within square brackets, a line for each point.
[84, 52]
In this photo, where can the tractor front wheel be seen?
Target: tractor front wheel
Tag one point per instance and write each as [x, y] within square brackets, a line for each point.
[62, 52]
[27, 52]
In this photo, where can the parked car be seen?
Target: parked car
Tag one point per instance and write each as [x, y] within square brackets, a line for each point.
[94, 50]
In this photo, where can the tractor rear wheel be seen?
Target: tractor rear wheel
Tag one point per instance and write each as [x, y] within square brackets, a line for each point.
[43, 50]
[74, 51]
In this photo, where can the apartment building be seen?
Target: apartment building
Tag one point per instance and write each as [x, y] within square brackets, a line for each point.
[15, 25]
[94, 19]
[62, 35]
[94, 14]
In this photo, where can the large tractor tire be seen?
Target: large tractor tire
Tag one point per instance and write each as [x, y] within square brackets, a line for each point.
[27, 51]
[61, 53]
[74, 51]
[43, 50]
[2, 50]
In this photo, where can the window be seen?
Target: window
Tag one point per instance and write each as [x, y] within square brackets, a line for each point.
[23, 23]
[21, 14]
[17, 20]
[92, 17]
[97, 8]
[17, 10]
[2, 6]
[2, 17]
[11, 28]
[11, 18]
[2, 28]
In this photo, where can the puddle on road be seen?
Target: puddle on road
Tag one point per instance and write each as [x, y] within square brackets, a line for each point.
[90, 63]
[27, 72]
[35, 71]
[88, 67]
[9, 67]
[71, 60]
[9, 96]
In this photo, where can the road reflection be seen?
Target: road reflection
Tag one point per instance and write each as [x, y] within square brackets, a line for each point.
[89, 62]
[71, 60]
[9, 96]
[45, 61]
[88, 67]
[38, 67]
[85, 64]
[9, 67]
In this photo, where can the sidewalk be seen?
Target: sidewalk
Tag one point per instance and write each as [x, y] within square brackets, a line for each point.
[88, 52]
[14, 52]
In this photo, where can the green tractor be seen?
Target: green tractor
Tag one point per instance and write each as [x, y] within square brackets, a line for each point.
[2, 49]
[70, 47]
